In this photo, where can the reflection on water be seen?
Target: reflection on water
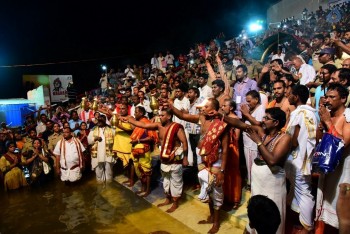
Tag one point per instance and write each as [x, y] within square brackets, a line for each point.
[84, 208]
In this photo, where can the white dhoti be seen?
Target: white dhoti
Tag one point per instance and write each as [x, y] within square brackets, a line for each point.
[250, 154]
[172, 179]
[104, 171]
[299, 197]
[203, 178]
[272, 185]
[217, 193]
[328, 192]
[71, 175]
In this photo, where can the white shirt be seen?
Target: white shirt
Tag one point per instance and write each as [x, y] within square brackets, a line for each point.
[183, 104]
[129, 72]
[276, 56]
[103, 82]
[146, 104]
[71, 157]
[205, 92]
[258, 115]
[308, 73]
[154, 62]
[41, 127]
[236, 63]
[101, 148]
[169, 58]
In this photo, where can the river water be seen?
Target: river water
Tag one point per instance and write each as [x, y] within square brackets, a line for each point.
[85, 208]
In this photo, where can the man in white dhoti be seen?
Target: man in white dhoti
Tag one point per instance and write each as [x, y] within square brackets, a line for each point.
[268, 175]
[101, 138]
[302, 128]
[69, 152]
[213, 149]
[173, 155]
[253, 113]
[335, 119]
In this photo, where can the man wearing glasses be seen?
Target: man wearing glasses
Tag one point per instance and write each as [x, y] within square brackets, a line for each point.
[268, 175]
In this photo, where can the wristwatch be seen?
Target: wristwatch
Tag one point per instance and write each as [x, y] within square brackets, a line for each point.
[222, 171]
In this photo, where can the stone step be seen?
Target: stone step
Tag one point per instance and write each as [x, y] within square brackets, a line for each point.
[191, 210]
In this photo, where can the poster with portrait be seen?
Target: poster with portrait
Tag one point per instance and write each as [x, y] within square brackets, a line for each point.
[58, 87]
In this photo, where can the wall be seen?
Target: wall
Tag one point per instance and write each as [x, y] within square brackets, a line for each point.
[289, 8]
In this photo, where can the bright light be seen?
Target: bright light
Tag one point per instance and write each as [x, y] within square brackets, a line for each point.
[104, 67]
[254, 27]
[191, 61]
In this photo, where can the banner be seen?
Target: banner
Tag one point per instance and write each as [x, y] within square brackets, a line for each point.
[58, 87]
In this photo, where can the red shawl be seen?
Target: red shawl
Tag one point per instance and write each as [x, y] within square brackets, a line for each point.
[211, 142]
[167, 153]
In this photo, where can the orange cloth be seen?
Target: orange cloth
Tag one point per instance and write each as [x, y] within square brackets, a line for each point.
[271, 104]
[233, 181]
[140, 133]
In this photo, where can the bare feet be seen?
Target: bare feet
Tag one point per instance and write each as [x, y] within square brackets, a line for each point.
[196, 187]
[138, 192]
[172, 208]
[214, 229]
[209, 220]
[236, 206]
[299, 229]
[167, 202]
[145, 194]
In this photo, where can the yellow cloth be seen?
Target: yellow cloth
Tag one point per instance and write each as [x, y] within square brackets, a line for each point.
[143, 164]
[14, 178]
[122, 144]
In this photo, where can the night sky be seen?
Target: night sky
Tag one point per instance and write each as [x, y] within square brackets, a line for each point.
[107, 32]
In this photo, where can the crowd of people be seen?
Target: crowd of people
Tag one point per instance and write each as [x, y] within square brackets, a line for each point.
[207, 112]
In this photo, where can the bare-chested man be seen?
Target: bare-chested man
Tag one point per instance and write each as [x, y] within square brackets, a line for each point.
[173, 154]
[218, 90]
[213, 152]
[335, 119]
[281, 101]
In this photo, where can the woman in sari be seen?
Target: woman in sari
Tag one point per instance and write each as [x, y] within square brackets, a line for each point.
[82, 134]
[36, 160]
[11, 166]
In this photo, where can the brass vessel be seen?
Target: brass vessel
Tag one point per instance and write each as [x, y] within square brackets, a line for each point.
[95, 105]
[114, 120]
[83, 103]
[154, 104]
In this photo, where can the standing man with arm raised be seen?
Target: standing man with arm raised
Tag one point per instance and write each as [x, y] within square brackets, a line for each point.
[173, 154]
[213, 147]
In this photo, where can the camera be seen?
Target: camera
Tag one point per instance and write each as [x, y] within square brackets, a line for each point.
[16, 151]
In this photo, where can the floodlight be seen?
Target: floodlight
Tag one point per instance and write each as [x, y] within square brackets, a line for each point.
[254, 27]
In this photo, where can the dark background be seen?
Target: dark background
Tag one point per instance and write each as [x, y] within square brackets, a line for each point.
[76, 37]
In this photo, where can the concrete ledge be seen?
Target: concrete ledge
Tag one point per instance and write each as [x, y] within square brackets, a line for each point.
[191, 210]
